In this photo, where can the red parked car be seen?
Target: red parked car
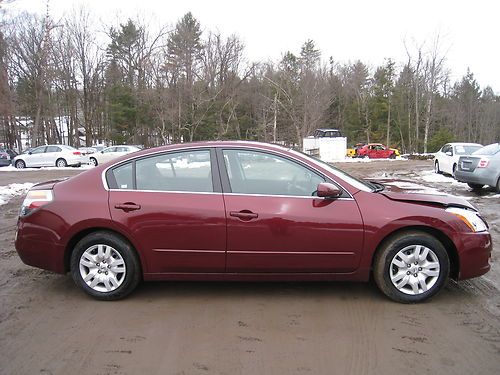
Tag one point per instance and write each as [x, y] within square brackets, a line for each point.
[376, 151]
[245, 211]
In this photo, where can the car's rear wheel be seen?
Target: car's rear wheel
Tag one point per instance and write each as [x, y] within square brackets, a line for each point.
[20, 164]
[498, 185]
[475, 186]
[392, 156]
[105, 266]
[454, 169]
[94, 162]
[61, 163]
[411, 267]
[436, 167]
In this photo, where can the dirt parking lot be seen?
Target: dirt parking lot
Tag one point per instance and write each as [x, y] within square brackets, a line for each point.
[48, 326]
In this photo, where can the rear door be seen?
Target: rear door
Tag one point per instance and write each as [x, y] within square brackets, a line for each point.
[173, 209]
[52, 153]
[276, 224]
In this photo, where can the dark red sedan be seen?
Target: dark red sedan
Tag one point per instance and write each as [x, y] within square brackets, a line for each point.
[245, 211]
[376, 151]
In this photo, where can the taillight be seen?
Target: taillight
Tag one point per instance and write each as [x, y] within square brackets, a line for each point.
[483, 163]
[77, 153]
[35, 199]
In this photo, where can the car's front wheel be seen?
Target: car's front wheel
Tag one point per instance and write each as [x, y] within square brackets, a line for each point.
[436, 167]
[411, 267]
[20, 164]
[105, 266]
[94, 162]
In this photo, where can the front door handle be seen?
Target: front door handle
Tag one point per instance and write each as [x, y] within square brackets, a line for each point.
[244, 214]
[128, 206]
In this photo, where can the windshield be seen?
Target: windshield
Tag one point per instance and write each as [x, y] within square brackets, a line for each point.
[488, 150]
[353, 181]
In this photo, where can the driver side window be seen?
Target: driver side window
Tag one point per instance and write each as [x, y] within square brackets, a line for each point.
[252, 172]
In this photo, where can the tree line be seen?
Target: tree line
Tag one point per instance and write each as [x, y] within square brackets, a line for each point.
[142, 85]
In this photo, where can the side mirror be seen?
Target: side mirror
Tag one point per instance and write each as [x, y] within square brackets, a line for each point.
[449, 153]
[29, 152]
[327, 190]
[102, 152]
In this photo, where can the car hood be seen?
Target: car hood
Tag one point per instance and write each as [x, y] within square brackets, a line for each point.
[398, 193]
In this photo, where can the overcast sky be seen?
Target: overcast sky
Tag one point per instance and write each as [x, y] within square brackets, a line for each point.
[346, 30]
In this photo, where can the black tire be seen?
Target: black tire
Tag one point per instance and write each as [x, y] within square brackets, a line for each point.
[61, 163]
[20, 164]
[498, 185]
[436, 167]
[133, 272]
[453, 170]
[387, 253]
[94, 162]
[392, 156]
[475, 186]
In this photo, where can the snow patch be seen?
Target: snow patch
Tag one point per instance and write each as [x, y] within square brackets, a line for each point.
[12, 190]
[11, 168]
[430, 176]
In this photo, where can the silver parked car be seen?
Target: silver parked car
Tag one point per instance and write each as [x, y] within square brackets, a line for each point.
[481, 168]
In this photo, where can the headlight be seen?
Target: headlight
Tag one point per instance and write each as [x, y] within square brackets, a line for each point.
[470, 218]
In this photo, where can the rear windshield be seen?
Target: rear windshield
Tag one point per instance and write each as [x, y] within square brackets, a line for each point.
[466, 150]
[488, 150]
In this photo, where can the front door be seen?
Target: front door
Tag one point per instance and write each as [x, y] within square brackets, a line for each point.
[174, 210]
[276, 224]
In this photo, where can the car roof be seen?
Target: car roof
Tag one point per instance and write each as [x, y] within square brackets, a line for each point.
[464, 144]
[217, 144]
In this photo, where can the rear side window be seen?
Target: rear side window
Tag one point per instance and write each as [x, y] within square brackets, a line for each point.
[123, 176]
[180, 171]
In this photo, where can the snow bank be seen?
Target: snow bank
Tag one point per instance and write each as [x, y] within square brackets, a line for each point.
[9, 191]
[11, 168]
[431, 176]
[367, 160]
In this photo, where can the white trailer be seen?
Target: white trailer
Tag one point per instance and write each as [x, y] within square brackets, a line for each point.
[325, 148]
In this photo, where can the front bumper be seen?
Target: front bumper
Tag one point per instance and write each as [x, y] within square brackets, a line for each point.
[474, 255]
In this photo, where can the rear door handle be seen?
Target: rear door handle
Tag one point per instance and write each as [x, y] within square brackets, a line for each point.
[128, 206]
[244, 215]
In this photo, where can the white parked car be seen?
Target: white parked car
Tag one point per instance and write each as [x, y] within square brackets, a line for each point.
[50, 156]
[111, 153]
[446, 160]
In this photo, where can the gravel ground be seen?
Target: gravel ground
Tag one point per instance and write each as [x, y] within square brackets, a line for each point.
[48, 326]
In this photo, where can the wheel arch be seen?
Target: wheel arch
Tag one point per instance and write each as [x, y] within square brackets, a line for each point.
[85, 232]
[448, 244]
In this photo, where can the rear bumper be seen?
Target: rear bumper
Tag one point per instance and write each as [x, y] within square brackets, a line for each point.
[475, 255]
[4, 162]
[480, 176]
[38, 247]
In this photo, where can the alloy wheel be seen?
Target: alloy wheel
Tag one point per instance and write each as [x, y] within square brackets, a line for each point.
[102, 268]
[414, 270]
